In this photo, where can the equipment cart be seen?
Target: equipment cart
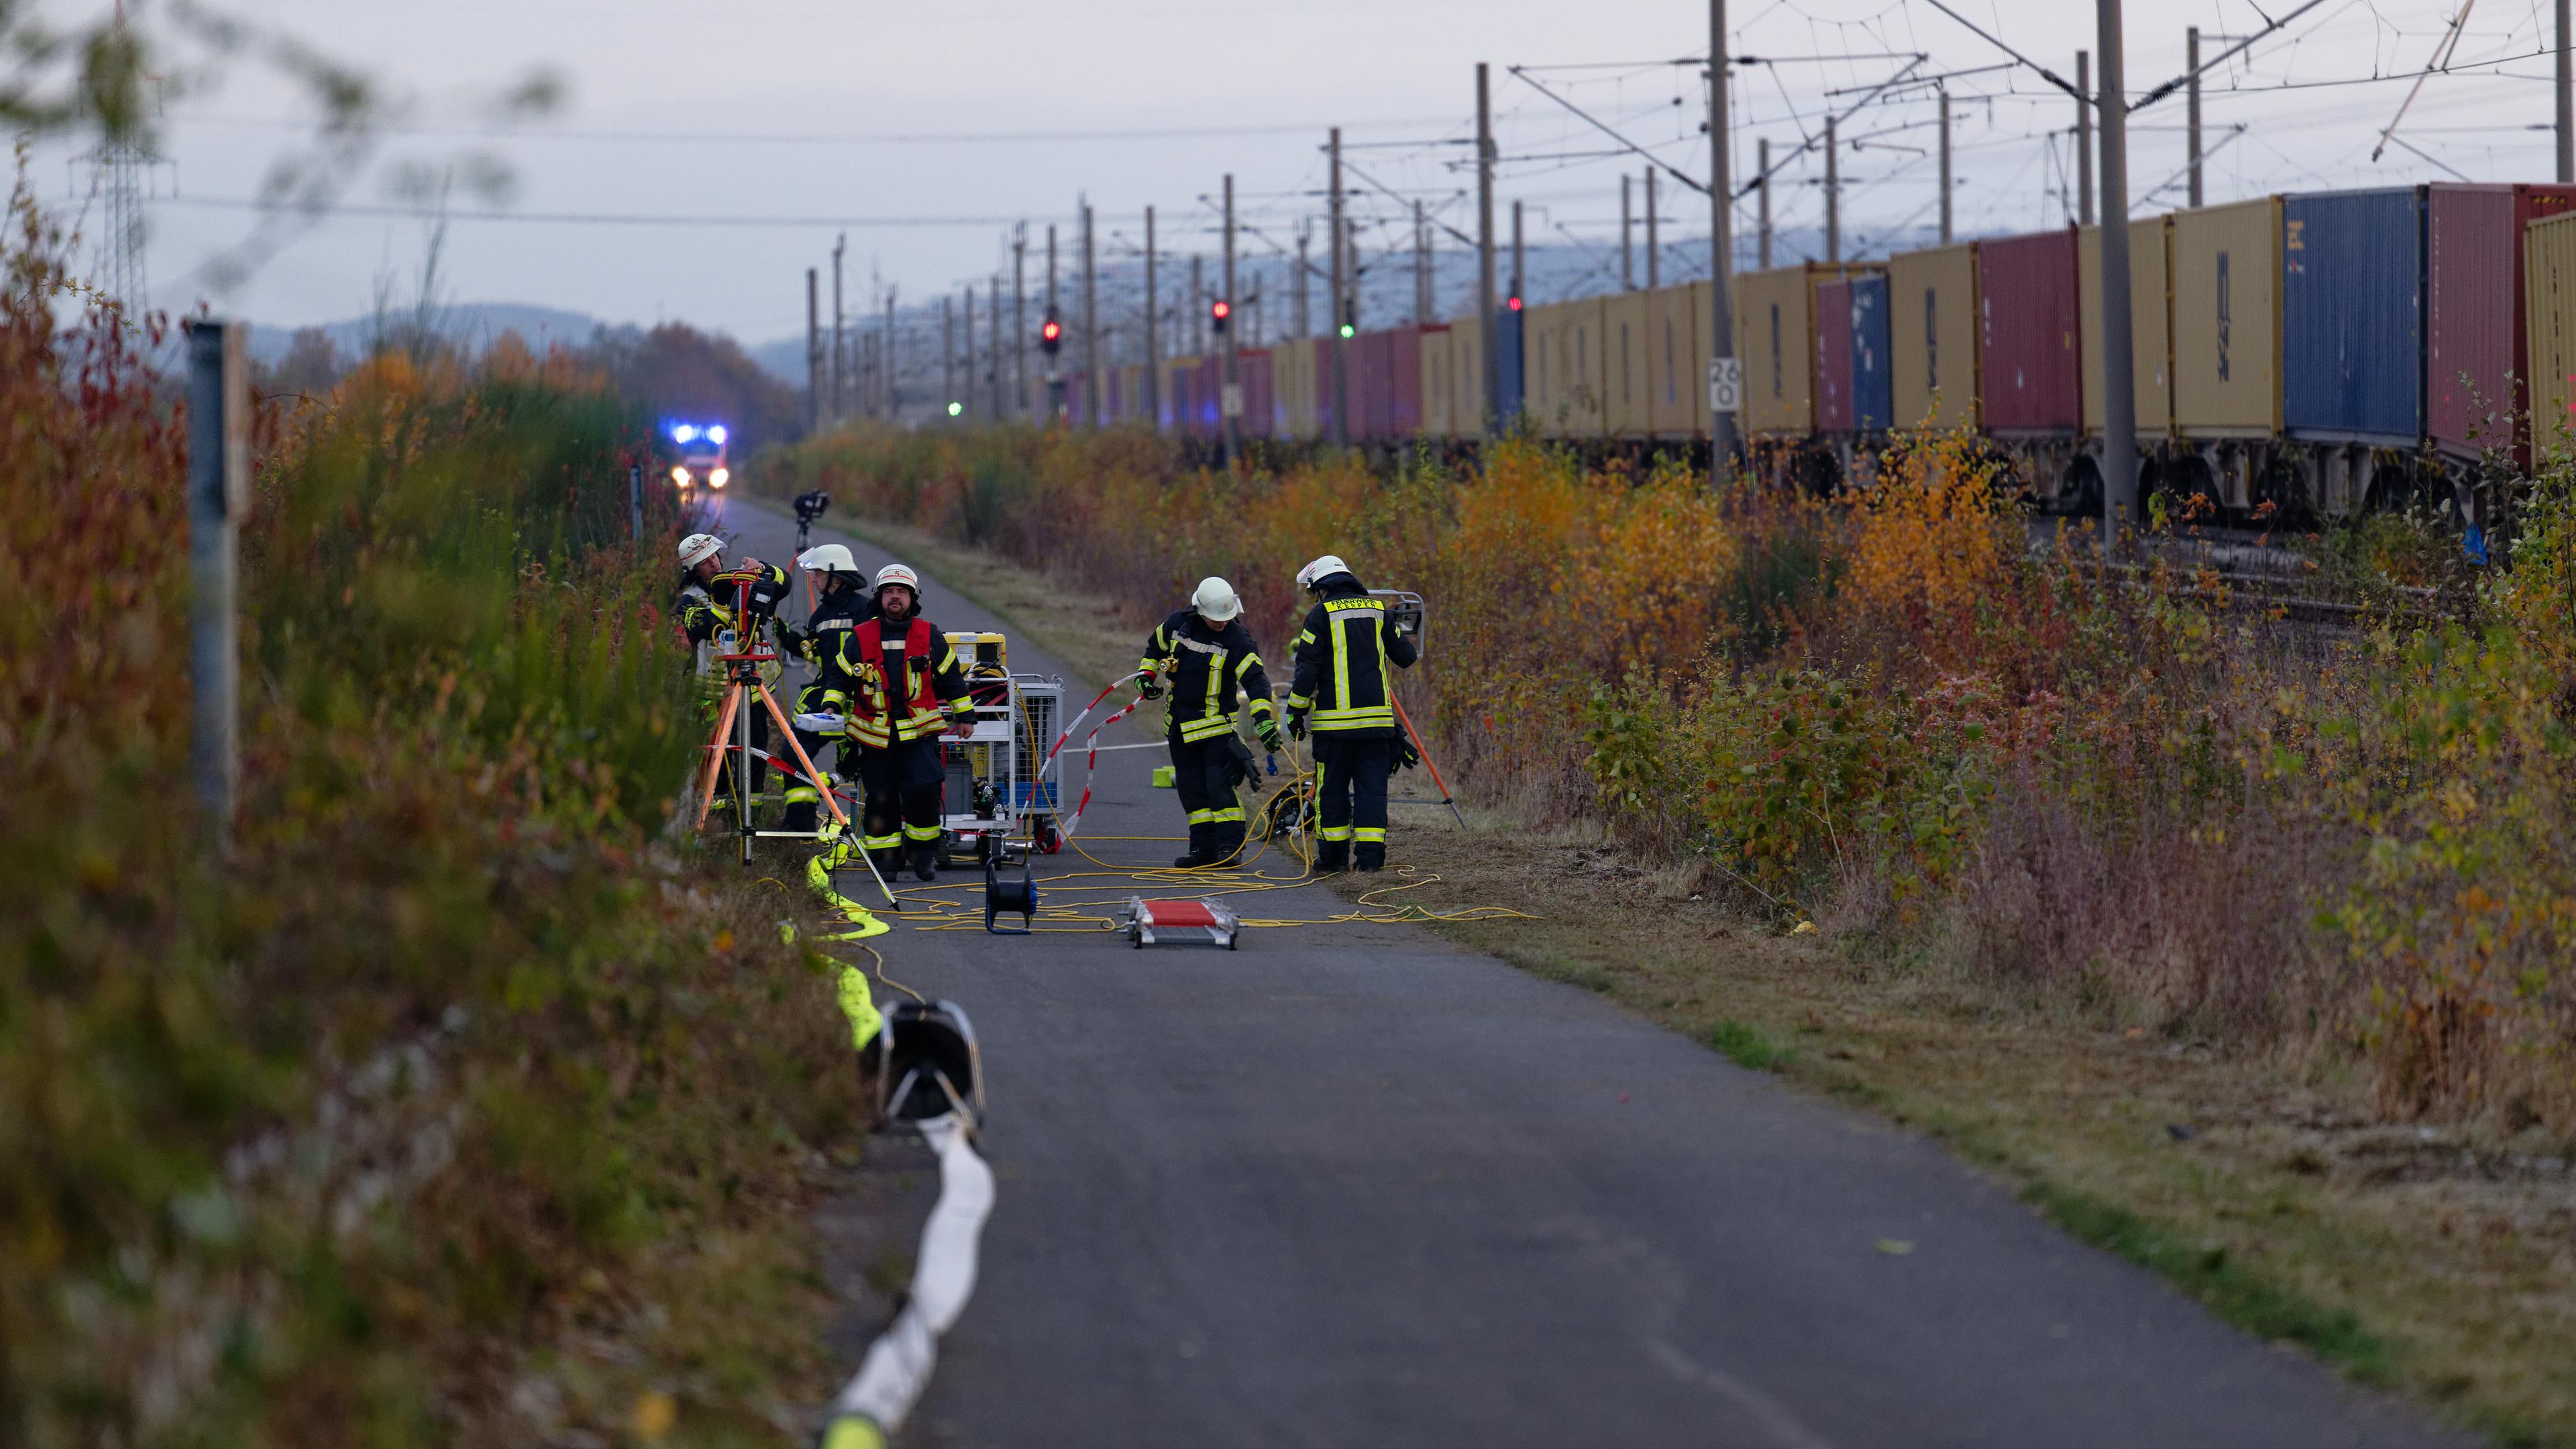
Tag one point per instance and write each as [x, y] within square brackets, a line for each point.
[1001, 787]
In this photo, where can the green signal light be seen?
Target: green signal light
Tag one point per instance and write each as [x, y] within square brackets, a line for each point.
[956, 409]
[1349, 331]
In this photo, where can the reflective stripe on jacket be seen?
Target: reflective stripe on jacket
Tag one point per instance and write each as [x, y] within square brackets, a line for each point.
[1205, 666]
[1342, 657]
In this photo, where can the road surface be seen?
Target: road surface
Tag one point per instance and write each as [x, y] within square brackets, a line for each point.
[1352, 1185]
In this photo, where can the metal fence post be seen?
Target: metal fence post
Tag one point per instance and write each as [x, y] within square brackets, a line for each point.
[218, 496]
[635, 500]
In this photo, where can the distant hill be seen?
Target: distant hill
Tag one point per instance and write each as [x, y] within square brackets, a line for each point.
[473, 326]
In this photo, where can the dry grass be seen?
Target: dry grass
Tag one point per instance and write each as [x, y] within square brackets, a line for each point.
[2428, 1259]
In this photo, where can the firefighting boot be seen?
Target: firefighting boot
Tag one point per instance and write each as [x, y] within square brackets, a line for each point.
[1226, 846]
[1199, 848]
[1332, 856]
[1369, 855]
[925, 862]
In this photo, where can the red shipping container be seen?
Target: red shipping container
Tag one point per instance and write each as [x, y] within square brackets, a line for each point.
[1252, 373]
[1404, 377]
[1367, 354]
[1325, 420]
[2475, 330]
[1833, 358]
[1075, 410]
[2028, 363]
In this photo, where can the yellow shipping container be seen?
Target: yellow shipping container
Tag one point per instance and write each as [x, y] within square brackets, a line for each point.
[1626, 397]
[1466, 377]
[1676, 378]
[1562, 367]
[1292, 388]
[1932, 336]
[1775, 339]
[2549, 312]
[2226, 270]
[2150, 322]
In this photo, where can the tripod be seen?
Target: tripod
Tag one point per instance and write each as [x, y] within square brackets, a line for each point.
[732, 737]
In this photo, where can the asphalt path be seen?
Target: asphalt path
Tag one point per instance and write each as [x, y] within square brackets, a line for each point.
[1353, 1185]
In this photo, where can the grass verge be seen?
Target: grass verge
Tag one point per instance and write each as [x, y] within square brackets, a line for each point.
[2415, 1258]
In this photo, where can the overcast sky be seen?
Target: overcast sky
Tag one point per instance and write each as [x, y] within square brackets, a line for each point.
[797, 116]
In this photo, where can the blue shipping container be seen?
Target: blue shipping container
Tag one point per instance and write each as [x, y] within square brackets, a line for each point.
[1873, 381]
[2352, 316]
[1507, 363]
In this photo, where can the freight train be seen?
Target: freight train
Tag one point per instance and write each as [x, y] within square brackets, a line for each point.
[2319, 353]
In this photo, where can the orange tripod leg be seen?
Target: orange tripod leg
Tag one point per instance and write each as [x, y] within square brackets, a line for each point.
[716, 752]
[1425, 751]
[813, 776]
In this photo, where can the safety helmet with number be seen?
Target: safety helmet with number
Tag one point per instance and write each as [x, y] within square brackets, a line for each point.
[1215, 600]
[697, 548]
[1321, 569]
[827, 558]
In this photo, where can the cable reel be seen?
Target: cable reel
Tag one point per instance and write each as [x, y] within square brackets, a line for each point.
[1019, 896]
[929, 1066]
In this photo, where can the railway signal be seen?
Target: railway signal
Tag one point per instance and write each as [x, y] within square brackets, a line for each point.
[1218, 311]
[1051, 337]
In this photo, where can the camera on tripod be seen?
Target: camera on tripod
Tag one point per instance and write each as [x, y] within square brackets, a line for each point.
[810, 505]
[762, 588]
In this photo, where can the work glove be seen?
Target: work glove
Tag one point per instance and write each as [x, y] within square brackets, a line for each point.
[1150, 688]
[1296, 724]
[1406, 755]
[1268, 730]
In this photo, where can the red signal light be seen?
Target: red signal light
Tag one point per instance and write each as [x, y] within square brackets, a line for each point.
[1220, 311]
[1515, 304]
[1052, 331]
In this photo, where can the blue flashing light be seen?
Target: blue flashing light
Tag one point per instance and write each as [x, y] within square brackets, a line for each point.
[716, 435]
[683, 433]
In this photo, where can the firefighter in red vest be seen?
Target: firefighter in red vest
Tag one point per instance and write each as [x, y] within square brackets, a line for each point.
[911, 689]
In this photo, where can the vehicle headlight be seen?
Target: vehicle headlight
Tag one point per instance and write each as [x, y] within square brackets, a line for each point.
[720, 476]
[680, 476]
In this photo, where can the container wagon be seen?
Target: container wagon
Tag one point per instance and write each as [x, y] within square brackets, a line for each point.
[2150, 354]
[1627, 411]
[2477, 345]
[2226, 349]
[1932, 337]
[1676, 361]
[2549, 271]
[1564, 371]
[2352, 345]
[2029, 369]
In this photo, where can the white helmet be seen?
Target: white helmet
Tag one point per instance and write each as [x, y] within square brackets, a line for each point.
[1320, 570]
[699, 547]
[827, 558]
[1215, 600]
[898, 574]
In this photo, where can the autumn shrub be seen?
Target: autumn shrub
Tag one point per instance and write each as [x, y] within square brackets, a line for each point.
[2120, 791]
[454, 1107]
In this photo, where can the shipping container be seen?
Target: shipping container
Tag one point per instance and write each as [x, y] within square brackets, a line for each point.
[1565, 369]
[1412, 387]
[1833, 353]
[2549, 292]
[1626, 409]
[2352, 316]
[1932, 337]
[2227, 320]
[1252, 373]
[1676, 379]
[1511, 352]
[1076, 395]
[1466, 377]
[1438, 419]
[2476, 318]
[1332, 359]
[1292, 382]
[1774, 327]
[2150, 324]
[2028, 366]
[1873, 396]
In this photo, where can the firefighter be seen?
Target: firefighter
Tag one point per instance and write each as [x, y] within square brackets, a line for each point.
[908, 688]
[1203, 657]
[845, 604]
[710, 595]
[1343, 691]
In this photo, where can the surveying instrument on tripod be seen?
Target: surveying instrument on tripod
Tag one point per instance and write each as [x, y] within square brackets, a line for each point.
[741, 651]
